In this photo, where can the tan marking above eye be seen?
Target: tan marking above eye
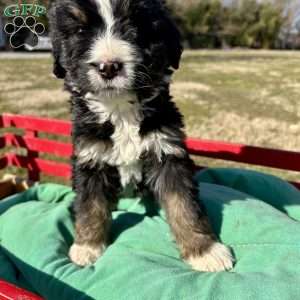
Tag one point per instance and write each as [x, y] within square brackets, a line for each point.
[78, 14]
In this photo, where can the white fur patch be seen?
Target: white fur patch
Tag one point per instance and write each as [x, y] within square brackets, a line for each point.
[106, 11]
[157, 142]
[125, 152]
[91, 151]
[123, 113]
[84, 255]
[130, 172]
[217, 259]
[111, 48]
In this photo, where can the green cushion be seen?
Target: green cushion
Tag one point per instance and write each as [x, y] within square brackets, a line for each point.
[257, 215]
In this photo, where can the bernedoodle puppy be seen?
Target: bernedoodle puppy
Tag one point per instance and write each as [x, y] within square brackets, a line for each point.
[117, 58]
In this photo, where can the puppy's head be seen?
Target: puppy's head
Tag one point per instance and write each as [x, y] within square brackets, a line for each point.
[113, 45]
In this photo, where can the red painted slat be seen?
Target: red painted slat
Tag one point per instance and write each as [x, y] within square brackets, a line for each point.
[239, 153]
[11, 292]
[38, 124]
[286, 160]
[233, 152]
[45, 166]
[41, 145]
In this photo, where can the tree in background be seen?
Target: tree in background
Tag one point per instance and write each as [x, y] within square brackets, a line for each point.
[256, 25]
[210, 24]
[203, 23]
[245, 23]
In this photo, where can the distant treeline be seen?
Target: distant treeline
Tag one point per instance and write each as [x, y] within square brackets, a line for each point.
[244, 23]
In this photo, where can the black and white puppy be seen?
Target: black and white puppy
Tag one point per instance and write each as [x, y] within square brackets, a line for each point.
[117, 58]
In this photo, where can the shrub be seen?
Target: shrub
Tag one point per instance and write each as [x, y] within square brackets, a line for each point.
[246, 23]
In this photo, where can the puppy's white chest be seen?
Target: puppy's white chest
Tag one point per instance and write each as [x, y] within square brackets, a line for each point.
[127, 144]
[126, 138]
[126, 147]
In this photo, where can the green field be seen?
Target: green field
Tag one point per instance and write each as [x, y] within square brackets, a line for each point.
[247, 97]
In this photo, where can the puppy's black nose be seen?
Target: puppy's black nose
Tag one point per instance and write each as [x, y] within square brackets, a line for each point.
[110, 70]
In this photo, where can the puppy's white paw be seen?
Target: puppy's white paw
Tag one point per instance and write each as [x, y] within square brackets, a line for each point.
[84, 255]
[217, 258]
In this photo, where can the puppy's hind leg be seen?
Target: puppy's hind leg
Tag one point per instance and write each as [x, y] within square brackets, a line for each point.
[92, 215]
[172, 183]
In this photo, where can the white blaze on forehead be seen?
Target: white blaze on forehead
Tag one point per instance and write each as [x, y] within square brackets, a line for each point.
[106, 11]
[109, 46]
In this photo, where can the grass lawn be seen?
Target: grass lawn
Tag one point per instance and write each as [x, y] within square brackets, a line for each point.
[249, 97]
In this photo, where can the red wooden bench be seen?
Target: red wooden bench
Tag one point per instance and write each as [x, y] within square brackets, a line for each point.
[30, 139]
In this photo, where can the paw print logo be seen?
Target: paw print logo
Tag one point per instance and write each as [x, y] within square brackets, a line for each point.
[24, 31]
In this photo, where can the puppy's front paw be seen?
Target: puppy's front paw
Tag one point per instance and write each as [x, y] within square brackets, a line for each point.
[84, 255]
[217, 258]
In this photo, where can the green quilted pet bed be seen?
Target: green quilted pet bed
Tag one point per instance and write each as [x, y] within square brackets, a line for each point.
[257, 215]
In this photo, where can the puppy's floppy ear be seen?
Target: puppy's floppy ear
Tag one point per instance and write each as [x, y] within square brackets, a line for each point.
[57, 51]
[172, 39]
